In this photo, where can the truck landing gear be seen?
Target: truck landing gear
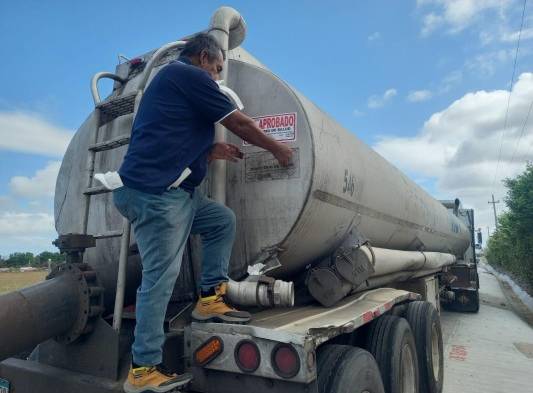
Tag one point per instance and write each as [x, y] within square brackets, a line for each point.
[343, 369]
[465, 300]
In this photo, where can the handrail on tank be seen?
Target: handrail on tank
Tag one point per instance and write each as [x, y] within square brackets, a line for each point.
[124, 244]
[94, 84]
[155, 58]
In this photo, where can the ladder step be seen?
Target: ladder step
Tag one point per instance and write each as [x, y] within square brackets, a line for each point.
[96, 190]
[115, 107]
[120, 140]
[107, 235]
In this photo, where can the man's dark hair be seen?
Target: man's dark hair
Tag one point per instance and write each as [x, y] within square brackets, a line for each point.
[203, 41]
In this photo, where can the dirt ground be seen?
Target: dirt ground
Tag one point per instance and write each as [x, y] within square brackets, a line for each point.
[15, 280]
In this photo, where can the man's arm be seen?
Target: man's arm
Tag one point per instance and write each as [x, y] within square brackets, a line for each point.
[245, 128]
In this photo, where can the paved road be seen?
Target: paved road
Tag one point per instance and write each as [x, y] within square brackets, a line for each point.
[488, 352]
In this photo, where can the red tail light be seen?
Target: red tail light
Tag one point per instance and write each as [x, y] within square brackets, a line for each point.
[247, 356]
[285, 361]
[137, 61]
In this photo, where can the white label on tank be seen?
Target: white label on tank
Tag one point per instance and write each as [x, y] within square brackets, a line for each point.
[280, 127]
[262, 166]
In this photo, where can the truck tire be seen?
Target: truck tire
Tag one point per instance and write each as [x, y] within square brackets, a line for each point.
[424, 320]
[345, 369]
[391, 342]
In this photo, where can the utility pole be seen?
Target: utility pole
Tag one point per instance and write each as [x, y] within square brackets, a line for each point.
[494, 207]
[488, 233]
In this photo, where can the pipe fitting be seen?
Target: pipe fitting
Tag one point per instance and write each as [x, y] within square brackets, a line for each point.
[229, 22]
[261, 291]
[228, 27]
[65, 306]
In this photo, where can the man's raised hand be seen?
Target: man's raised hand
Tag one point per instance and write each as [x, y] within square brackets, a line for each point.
[283, 154]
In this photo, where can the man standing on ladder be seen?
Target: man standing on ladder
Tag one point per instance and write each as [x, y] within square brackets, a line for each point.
[173, 133]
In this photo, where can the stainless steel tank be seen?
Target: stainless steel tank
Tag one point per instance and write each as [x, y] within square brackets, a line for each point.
[297, 214]
[336, 183]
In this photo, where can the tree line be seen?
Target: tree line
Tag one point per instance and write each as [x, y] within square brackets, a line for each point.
[510, 248]
[22, 259]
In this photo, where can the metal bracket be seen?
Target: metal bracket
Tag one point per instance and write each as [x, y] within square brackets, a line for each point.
[266, 261]
[74, 245]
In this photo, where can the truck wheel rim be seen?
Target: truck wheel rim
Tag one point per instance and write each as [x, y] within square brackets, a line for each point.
[435, 353]
[407, 370]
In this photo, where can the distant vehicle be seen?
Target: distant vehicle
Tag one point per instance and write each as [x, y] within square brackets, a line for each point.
[27, 269]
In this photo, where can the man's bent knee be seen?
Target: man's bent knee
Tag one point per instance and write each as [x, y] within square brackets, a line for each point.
[228, 220]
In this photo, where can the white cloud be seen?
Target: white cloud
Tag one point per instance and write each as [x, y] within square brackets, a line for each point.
[485, 64]
[459, 146]
[5, 202]
[431, 22]
[26, 219]
[30, 133]
[457, 15]
[358, 113]
[450, 81]
[374, 36]
[42, 184]
[377, 101]
[26, 232]
[526, 34]
[503, 32]
[419, 95]
[481, 65]
[25, 224]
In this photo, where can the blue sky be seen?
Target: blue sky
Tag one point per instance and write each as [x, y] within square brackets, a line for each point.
[426, 83]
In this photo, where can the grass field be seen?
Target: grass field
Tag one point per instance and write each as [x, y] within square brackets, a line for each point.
[15, 280]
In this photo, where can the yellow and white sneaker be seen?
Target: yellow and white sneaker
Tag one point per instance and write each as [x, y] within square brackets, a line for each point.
[215, 309]
[154, 379]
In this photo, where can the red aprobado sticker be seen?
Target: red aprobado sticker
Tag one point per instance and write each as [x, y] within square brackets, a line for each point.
[281, 127]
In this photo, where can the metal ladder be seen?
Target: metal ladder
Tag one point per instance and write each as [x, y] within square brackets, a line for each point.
[106, 111]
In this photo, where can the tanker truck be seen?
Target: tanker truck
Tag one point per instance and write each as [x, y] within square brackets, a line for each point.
[341, 258]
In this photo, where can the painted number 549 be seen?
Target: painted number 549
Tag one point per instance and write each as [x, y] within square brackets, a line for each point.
[349, 183]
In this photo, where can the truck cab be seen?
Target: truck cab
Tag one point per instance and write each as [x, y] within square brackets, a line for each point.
[461, 282]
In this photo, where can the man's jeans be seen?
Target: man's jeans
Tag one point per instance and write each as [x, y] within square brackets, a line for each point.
[162, 224]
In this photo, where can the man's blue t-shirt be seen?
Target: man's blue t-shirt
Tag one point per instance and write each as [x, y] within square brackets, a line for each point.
[174, 129]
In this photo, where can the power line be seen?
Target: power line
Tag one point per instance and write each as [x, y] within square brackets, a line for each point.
[527, 152]
[509, 98]
[522, 131]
